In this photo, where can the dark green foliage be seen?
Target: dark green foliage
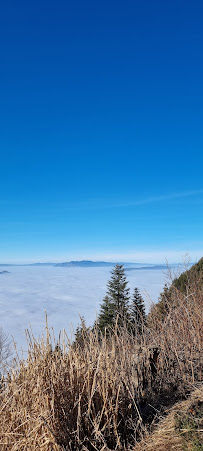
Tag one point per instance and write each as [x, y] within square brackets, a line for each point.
[186, 282]
[162, 306]
[81, 334]
[137, 311]
[106, 316]
[117, 290]
[193, 276]
[115, 306]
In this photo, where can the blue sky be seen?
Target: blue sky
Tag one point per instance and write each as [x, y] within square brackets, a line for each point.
[101, 141]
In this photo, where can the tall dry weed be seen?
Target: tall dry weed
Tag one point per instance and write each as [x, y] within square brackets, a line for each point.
[100, 395]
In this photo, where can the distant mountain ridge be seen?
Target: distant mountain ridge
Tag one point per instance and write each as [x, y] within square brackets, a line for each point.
[84, 263]
[92, 264]
[147, 267]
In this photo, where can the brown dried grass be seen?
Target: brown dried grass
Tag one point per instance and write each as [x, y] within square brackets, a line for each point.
[96, 397]
[166, 436]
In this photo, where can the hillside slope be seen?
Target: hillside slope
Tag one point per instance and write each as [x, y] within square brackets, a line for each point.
[181, 429]
[190, 281]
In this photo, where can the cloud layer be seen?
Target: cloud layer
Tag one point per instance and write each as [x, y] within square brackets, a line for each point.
[26, 292]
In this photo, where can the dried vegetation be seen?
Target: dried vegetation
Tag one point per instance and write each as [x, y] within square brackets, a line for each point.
[104, 394]
[180, 430]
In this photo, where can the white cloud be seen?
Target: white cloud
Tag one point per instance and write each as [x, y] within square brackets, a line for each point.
[64, 293]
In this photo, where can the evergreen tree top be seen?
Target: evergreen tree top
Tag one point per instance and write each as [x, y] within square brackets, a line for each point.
[138, 306]
[115, 303]
[117, 285]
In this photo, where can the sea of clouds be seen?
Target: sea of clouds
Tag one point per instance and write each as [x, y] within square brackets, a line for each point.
[64, 293]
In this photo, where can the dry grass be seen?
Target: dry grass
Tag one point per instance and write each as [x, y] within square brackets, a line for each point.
[182, 429]
[100, 396]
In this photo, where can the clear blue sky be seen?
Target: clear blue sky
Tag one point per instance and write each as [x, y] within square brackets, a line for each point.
[101, 141]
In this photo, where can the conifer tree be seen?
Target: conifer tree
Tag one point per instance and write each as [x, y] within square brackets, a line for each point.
[106, 316]
[115, 304]
[81, 334]
[137, 311]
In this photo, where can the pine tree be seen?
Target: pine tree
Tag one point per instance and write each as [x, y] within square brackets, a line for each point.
[118, 291]
[137, 311]
[106, 316]
[81, 334]
[115, 304]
